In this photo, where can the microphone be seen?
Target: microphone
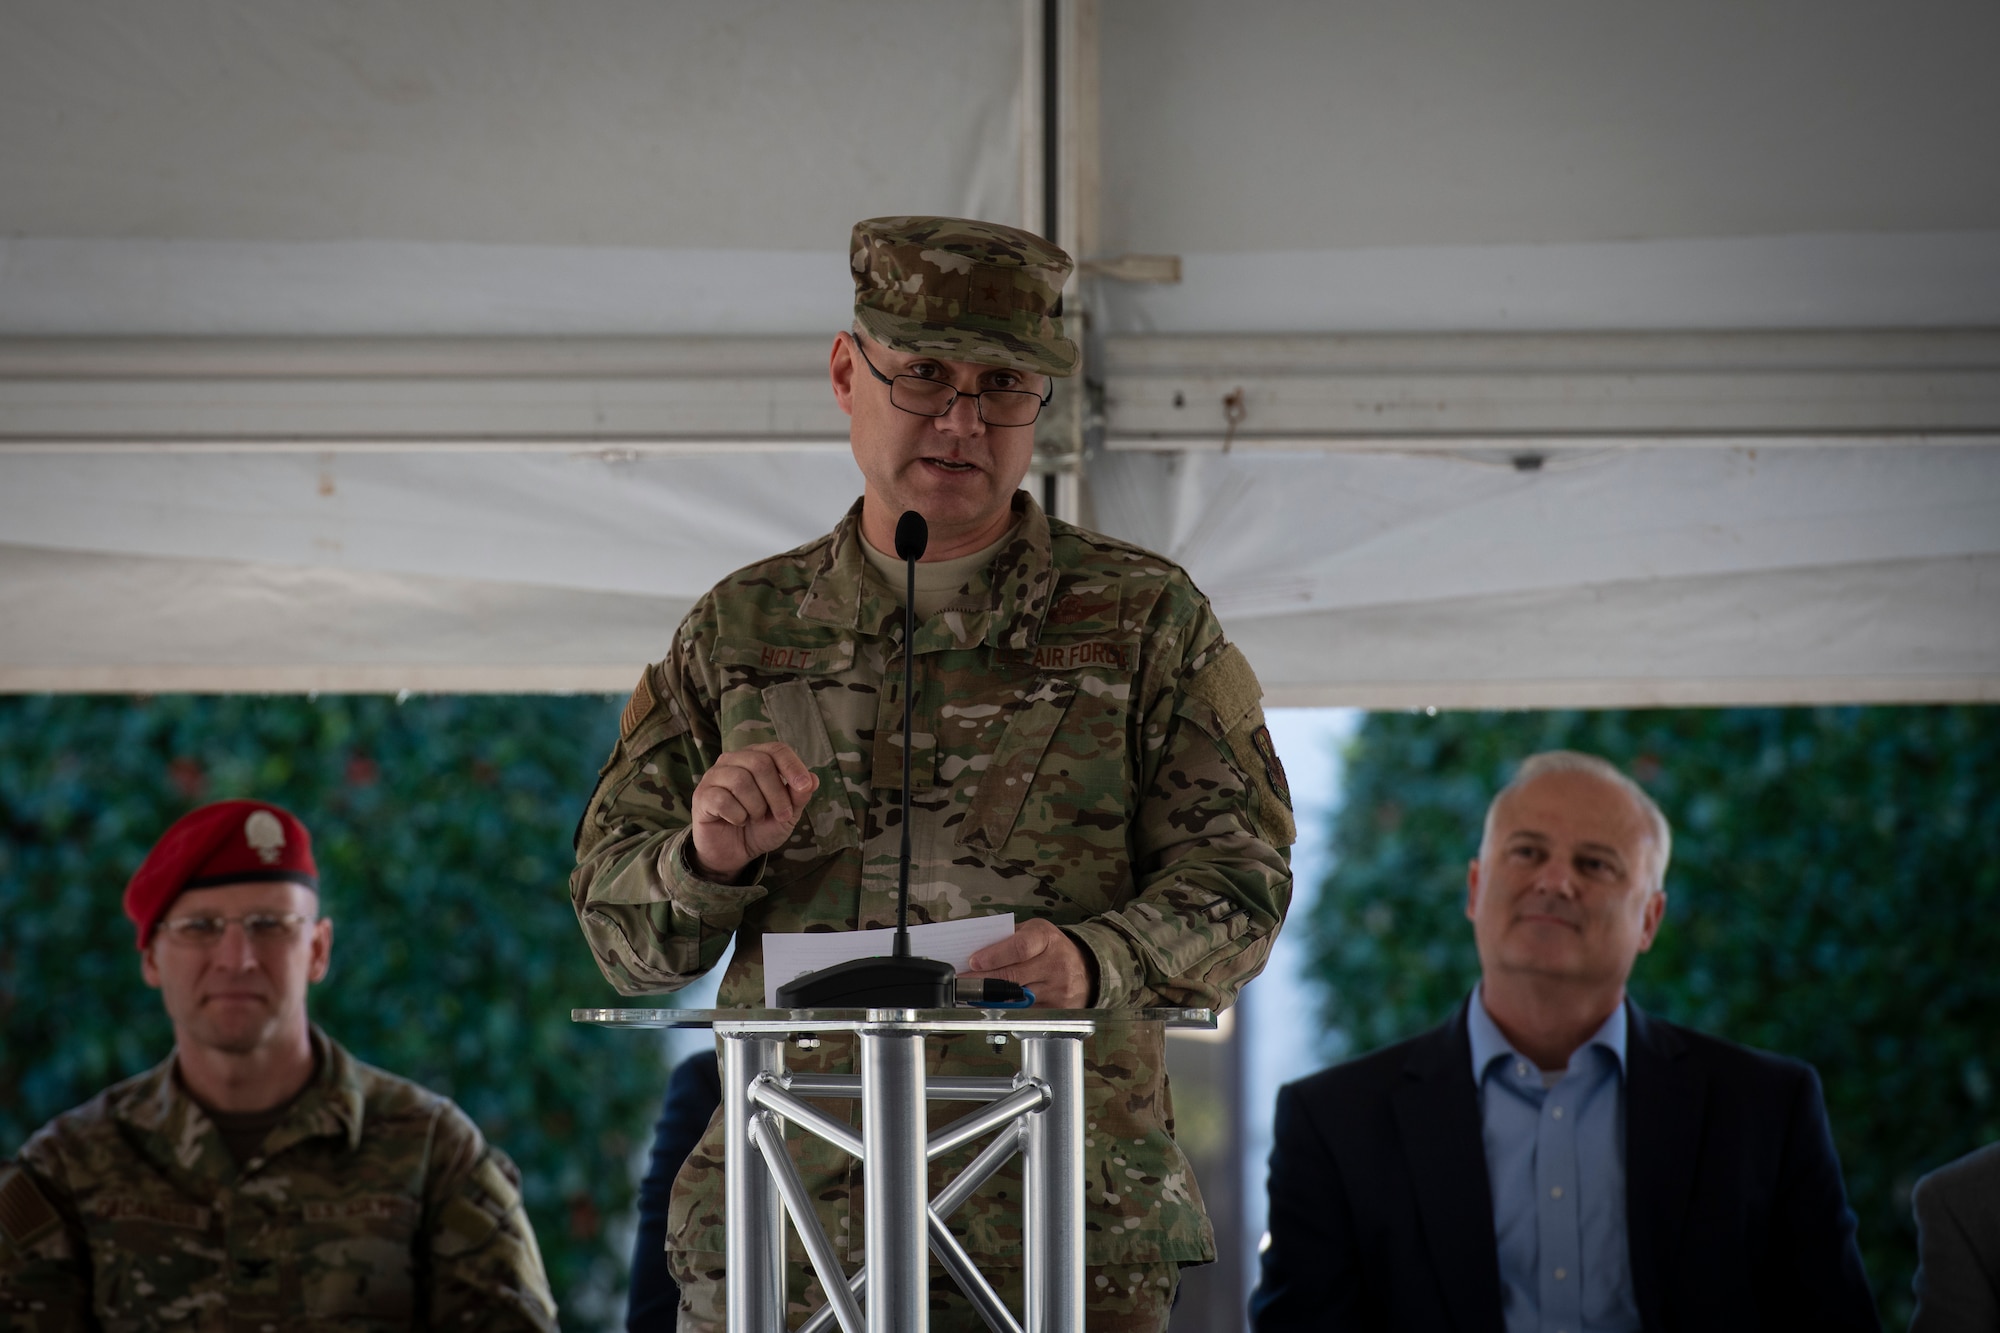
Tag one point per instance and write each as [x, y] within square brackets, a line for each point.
[912, 536]
[898, 981]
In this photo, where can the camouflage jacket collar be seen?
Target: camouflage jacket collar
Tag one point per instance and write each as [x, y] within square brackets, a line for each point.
[170, 1127]
[1004, 607]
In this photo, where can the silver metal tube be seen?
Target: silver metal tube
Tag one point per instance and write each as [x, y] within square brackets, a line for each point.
[953, 1088]
[768, 1094]
[769, 1138]
[967, 1088]
[980, 1169]
[892, 1164]
[1053, 1209]
[970, 1280]
[824, 1315]
[976, 1173]
[755, 1217]
[1028, 1097]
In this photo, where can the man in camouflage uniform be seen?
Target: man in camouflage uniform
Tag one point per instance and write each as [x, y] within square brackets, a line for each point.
[260, 1178]
[1089, 754]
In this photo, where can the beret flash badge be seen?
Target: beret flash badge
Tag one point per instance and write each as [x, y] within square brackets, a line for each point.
[1274, 768]
[265, 835]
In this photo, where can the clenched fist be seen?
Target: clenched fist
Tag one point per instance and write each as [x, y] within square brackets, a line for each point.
[747, 805]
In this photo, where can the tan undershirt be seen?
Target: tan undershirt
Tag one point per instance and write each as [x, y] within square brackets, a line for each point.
[939, 581]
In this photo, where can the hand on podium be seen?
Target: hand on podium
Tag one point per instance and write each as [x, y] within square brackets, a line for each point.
[1043, 959]
[747, 805]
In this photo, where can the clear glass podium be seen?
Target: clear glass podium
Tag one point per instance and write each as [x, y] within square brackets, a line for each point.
[1037, 1113]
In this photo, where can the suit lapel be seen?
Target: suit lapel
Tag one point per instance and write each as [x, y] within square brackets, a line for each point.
[1437, 1115]
[1665, 1100]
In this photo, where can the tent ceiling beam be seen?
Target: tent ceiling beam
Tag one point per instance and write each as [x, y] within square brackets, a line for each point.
[1585, 390]
[1445, 392]
[641, 395]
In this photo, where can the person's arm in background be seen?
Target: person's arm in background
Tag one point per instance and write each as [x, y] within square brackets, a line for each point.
[693, 1093]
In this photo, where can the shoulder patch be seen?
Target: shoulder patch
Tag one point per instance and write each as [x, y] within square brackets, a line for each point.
[462, 1226]
[1274, 767]
[491, 1178]
[25, 1216]
[1224, 694]
[642, 702]
[1227, 684]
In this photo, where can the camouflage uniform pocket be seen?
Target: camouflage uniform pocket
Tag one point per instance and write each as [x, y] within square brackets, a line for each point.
[828, 821]
[1004, 786]
[146, 1244]
[354, 1257]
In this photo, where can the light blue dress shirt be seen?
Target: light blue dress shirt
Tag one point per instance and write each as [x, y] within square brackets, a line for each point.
[1555, 1158]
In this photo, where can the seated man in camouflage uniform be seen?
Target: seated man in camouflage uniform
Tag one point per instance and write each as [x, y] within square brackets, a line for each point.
[1089, 755]
[260, 1178]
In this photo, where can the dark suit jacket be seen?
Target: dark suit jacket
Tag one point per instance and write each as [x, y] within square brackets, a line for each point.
[1958, 1246]
[1381, 1216]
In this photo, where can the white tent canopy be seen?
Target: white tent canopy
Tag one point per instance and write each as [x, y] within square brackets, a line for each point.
[1517, 359]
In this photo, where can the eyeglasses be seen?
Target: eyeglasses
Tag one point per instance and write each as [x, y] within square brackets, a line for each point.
[933, 398]
[268, 929]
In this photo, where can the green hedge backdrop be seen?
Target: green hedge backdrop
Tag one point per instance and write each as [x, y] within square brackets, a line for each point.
[1834, 896]
[442, 829]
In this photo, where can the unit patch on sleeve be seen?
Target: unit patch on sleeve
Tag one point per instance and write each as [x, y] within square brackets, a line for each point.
[1274, 767]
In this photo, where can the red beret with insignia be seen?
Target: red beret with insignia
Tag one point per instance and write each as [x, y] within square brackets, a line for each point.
[230, 842]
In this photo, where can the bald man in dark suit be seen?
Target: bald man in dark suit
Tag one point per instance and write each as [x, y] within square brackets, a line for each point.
[1552, 1158]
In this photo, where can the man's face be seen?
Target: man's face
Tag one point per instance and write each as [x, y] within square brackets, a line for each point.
[1564, 887]
[238, 994]
[955, 470]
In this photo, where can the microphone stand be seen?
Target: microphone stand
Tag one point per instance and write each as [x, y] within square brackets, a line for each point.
[898, 981]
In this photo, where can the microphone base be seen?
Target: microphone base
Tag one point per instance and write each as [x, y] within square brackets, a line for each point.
[874, 983]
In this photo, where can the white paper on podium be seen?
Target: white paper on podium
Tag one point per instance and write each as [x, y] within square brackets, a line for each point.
[794, 955]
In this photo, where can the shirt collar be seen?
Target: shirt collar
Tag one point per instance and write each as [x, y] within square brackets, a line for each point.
[1015, 588]
[172, 1129]
[1489, 1043]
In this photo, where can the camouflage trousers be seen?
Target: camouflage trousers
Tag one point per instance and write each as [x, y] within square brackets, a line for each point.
[1119, 1298]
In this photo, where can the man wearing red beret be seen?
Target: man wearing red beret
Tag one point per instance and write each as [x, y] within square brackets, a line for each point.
[260, 1178]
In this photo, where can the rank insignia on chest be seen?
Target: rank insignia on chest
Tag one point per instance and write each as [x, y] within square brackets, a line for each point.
[1072, 608]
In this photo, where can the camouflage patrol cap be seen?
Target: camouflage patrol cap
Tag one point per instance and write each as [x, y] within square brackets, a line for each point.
[962, 290]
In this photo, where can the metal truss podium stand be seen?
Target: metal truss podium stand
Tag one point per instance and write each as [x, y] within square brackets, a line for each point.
[1037, 1113]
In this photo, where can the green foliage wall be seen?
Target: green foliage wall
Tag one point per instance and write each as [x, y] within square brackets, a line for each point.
[1834, 896]
[442, 828]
